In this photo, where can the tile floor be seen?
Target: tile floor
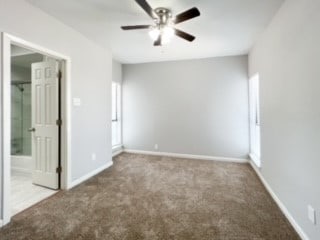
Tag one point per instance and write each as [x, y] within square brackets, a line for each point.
[24, 193]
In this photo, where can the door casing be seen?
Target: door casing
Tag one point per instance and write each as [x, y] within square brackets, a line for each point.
[65, 139]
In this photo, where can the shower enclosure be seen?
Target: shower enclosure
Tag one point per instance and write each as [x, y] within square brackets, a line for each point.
[20, 118]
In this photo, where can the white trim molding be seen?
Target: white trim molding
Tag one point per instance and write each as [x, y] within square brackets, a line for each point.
[90, 175]
[283, 208]
[255, 159]
[188, 156]
[1, 223]
[116, 150]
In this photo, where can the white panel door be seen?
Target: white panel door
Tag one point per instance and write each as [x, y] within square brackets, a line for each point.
[45, 113]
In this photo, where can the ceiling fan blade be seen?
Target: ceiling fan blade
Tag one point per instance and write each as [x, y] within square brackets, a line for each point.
[158, 42]
[184, 35]
[135, 27]
[189, 14]
[146, 7]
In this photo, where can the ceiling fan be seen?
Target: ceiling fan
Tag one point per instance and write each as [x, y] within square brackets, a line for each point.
[164, 30]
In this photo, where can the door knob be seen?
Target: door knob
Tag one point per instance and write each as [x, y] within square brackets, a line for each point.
[31, 130]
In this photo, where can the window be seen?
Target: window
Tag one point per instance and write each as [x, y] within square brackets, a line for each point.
[116, 114]
[255, 120]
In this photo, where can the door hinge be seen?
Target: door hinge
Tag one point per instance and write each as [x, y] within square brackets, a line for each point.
[59, 122]
[59, 169]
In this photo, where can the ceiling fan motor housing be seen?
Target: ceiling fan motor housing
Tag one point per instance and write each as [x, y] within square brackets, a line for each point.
[164, 15]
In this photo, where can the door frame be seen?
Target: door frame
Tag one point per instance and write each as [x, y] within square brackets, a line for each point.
[65, 141]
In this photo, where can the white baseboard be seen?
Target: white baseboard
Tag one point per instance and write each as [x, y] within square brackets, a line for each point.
[283, 208]
[256, 160]
[117, 150]
[188, 156]
[117, 153]
[89, 175]
[1, 223]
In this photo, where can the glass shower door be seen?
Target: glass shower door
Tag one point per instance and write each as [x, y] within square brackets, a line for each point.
[20, 119]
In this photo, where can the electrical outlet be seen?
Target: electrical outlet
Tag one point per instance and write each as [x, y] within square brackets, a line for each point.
[93, 156]
[312, 215]
[156, 147]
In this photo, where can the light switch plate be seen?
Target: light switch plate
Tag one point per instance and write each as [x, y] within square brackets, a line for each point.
[76, 102]
[312, 215]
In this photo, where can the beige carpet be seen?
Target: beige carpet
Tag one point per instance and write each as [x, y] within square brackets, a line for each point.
[148, 197]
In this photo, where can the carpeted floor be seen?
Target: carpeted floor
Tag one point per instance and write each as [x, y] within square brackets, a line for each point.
[151, 197]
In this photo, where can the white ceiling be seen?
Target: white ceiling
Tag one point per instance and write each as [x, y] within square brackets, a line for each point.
[225, 27]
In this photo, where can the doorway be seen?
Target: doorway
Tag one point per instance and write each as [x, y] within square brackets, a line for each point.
[35, 125]
[35, 140]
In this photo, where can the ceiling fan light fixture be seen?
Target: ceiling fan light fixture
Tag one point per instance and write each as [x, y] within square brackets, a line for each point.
[167, 34]
[164, 28]
[154, 33]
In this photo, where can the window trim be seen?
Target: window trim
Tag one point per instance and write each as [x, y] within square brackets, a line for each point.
[116, 103]
[116, 120]
[254, 121]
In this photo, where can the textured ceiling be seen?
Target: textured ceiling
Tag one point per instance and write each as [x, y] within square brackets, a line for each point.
[225, 27]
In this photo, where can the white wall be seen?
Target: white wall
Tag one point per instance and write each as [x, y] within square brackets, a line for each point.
[91, 73]
[116, 71]
[287, 58]
[192, 107]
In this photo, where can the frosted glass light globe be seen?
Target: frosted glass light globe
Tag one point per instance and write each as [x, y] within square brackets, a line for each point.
[154, 33]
